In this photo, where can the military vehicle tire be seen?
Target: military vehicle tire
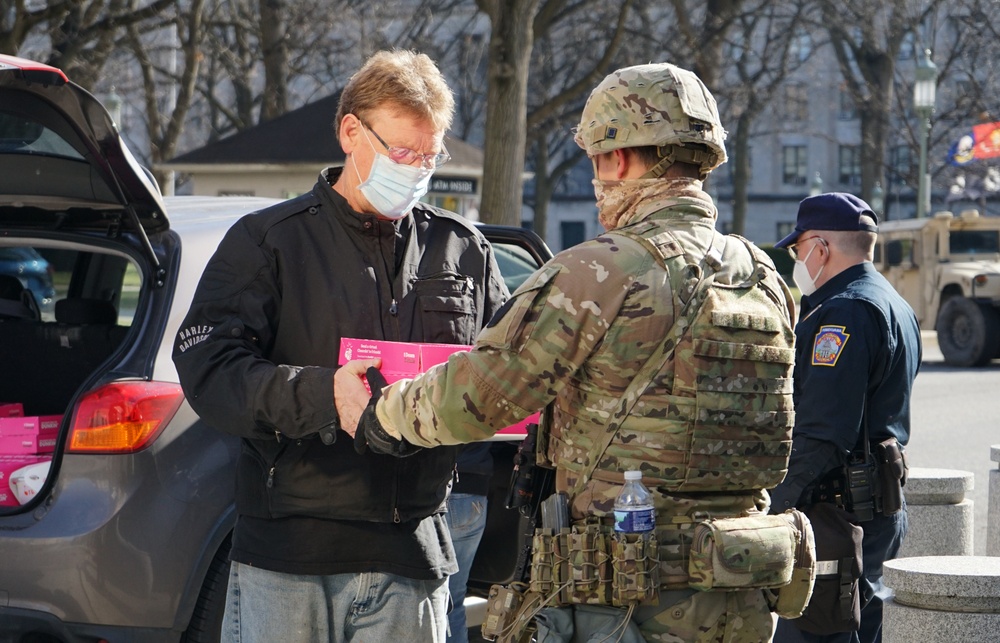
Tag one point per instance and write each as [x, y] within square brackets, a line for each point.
[968, 333]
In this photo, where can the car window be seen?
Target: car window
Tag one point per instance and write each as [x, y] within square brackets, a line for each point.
[21, 135]
[974, 241]
[99, 282]
[515, 262]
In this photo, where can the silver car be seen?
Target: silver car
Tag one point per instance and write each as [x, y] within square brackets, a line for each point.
[124, 535]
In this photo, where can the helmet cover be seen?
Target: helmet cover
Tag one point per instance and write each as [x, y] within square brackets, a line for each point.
[657, 104]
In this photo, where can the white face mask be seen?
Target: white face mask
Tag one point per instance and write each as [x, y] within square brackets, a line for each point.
[391, 188]
[801, 276]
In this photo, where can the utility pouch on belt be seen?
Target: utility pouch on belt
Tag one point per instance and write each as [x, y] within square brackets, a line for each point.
[509, 614]
[789, 601]
[588, 564]
[748, 552]
[892, 471]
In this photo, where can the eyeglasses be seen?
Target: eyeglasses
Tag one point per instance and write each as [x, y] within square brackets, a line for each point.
[406, 156]
[793, 249]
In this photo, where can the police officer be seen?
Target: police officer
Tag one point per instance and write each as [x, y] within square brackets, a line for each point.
[581, 329]
[857, 353]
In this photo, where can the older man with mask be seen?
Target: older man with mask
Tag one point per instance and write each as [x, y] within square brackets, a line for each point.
[330, 545]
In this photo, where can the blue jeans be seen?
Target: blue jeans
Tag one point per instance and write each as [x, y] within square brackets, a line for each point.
[467, 520]
[883, 536]
[264, 606]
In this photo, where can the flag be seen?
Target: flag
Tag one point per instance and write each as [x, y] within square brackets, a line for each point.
[981, 142]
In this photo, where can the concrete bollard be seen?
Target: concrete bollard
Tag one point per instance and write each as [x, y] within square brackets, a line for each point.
[941, 519]
[942, 599]
[993, 511]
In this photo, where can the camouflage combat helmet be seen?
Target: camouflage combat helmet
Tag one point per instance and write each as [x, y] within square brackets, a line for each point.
[657, 104]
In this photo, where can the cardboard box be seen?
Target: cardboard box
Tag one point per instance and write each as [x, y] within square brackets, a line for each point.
[30, 435]
[29, 478]
[11, 410]
[402, 360]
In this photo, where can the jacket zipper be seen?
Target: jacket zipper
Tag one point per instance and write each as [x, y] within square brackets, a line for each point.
[395, 494]
[274, 463]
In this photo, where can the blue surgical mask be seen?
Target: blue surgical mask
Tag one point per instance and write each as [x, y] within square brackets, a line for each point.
[393, 189]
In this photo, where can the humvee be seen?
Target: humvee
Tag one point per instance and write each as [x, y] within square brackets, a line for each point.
[948, 269]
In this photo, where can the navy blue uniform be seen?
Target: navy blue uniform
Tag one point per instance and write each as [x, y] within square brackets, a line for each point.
[857, 353]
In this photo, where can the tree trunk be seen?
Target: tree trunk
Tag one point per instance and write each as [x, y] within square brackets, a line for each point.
[274, 51]
[741, 172]
[544, 187]
[506, 108]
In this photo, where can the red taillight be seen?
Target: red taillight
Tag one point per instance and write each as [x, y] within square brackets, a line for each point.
[123, 417]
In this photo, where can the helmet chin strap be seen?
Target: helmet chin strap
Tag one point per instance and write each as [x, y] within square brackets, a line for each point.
[670, 154]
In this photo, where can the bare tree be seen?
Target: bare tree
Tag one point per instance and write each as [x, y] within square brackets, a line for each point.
[274, 55]
[762, 61]
[561, 79]
[511, 40]
[866, 39]
[78, 37]
[164, 116]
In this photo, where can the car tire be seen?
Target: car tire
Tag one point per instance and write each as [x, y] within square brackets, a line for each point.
[206, 621]
[968, 333]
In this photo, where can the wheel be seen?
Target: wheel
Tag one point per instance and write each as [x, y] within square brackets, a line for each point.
[968, 333]
[206, 621]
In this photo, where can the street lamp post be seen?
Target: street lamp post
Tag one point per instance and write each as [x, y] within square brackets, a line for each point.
[923, 104]
[878, 199]
[816, 187]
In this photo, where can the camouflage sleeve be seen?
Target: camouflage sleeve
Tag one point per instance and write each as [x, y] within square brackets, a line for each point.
[523, 358]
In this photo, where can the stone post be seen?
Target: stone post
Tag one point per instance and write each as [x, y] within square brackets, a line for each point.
[993, 511]
[942, 599]
[940, 517]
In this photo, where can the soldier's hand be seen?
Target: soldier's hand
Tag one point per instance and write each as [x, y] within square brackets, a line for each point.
[371, 434]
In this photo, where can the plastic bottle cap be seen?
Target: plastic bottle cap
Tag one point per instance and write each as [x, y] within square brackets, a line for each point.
[633, 475]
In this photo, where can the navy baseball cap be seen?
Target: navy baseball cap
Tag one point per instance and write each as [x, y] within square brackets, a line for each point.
[830, 211]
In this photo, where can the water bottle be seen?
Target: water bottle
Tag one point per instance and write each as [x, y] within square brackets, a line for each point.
[634, 513]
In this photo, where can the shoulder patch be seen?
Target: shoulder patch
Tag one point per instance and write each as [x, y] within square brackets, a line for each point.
[829, 343]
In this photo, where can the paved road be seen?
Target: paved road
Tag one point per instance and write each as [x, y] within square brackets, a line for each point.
[956, 416]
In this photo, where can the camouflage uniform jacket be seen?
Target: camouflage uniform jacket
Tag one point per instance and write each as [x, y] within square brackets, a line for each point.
[574, 335]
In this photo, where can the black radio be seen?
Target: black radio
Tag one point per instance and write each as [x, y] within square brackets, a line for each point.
[860, 496]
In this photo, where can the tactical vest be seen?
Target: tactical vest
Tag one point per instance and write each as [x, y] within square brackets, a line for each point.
[723, 404]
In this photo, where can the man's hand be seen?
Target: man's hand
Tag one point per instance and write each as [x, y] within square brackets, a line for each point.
[349, 393]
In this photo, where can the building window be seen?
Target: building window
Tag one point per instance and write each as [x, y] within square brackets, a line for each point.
[801, 47]
[906, 48]
[850, 165]
[796, 102]
[572, 233]
[236, 193]
[785, 228]
[794, 164]
[847, 110]
[900, 163]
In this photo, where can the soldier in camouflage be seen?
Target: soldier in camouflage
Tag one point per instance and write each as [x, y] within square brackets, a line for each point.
[710, 431]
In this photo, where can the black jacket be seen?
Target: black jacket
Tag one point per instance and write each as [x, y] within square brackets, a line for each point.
[257, 351]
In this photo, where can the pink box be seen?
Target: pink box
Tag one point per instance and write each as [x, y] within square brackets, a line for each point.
[521, 428]
[402, 360]
[29, 435]
[11, 410]
[10, 465]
